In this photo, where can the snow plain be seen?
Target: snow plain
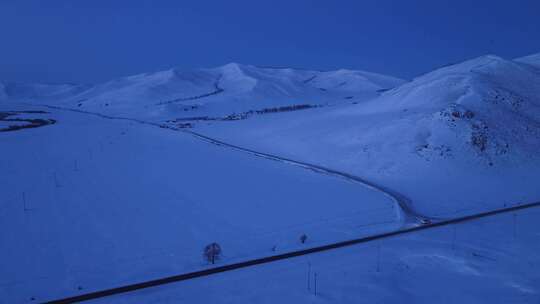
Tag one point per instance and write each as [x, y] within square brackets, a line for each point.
[491, 260]
[92, 203]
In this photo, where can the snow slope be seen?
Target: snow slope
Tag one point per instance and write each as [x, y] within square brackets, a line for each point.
[460, 139]
[46, 93]
[92, 203]
[3, 94]
[533, 60]
[220, 91]
[492, 260]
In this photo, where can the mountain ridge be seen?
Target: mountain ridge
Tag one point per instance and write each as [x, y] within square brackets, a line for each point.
[219, 91]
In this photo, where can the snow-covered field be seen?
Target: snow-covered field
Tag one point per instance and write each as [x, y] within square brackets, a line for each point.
[92, 203]
[492, 260]
[96, 201]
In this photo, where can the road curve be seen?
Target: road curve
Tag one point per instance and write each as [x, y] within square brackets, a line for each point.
[409, 215]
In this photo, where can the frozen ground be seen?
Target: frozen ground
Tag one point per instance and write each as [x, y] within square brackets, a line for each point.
[92, 203]
[492, 260]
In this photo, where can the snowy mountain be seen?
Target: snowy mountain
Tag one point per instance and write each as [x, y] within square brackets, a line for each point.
[41, 91]
[220, 91]
[533, 60]
[473, 126]
[488, 105]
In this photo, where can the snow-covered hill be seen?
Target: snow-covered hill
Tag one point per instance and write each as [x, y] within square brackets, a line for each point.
[232, 88]
[3, 95]
[533, 60]
[487, 105]
[45, 93]
[461, 138]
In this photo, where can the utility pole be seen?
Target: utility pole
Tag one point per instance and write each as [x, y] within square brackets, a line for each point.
[515, 220]
[309, 276]
[378, 258]
[24, 202]
[315, 284]
[454, 239]
[56, 180]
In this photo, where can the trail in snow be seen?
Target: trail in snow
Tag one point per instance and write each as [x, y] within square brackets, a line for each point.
[408, 214]
[217, 90]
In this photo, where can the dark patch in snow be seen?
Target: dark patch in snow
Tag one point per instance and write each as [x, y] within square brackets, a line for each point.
[479, 137]
[310, 79]
[428, 151]
[29, 122]
[217, 90]
[180, 122]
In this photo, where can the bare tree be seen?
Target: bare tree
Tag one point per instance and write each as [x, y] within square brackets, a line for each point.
[303, 238]
[212, 252]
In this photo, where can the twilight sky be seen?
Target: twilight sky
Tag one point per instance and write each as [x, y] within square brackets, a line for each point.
[94, 41]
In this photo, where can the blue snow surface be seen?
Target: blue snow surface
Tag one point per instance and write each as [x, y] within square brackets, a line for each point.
[93, 203]
[122, 190]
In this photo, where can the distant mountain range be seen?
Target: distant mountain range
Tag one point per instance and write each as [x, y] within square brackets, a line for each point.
[463, 136]
[216, 91]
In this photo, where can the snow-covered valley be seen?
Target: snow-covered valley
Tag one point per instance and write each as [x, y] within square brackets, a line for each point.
[120, 188]
[92, 203]
[457, 140]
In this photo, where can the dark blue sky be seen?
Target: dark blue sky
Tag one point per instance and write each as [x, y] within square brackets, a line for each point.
[92, 41]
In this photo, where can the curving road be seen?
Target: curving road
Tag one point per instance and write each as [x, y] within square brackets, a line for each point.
[412, 221]
[410, 217]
